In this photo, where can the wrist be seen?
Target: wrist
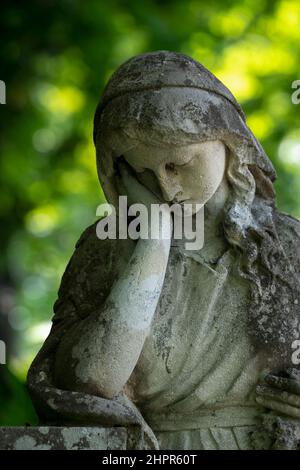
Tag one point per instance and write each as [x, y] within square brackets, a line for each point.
[161, 227]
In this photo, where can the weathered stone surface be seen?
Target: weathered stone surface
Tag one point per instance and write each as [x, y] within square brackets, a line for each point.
[62, 438]
[277, 433]
[193, 349]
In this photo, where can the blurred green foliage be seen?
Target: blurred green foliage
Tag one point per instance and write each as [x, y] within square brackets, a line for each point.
[55, 58]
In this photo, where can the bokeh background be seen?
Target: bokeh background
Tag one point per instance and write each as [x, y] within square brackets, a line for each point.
[55, 58]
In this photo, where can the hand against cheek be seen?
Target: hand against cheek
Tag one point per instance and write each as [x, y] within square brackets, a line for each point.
[281, 394]
[137, 193]
[128, 185]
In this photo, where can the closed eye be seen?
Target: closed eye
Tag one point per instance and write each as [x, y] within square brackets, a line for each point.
[187, 163]
[172, 166]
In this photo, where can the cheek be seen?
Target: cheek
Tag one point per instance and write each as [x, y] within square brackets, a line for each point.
[188, 182]
[215, 169]
[202, 179]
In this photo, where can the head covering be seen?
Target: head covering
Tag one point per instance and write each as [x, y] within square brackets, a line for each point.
[168, 96]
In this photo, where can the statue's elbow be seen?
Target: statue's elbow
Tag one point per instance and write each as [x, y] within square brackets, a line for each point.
[90, 379]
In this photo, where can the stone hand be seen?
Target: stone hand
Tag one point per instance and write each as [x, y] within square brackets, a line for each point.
[137, 193]
[129, 185]
[281, 394]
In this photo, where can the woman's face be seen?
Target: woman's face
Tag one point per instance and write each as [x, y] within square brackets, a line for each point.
[189, 173]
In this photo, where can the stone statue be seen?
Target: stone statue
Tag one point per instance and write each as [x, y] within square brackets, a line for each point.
[186, 349]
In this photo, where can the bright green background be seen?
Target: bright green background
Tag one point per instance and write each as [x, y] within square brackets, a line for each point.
[55, 58]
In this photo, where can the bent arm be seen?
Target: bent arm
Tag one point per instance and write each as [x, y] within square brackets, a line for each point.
[98, 354]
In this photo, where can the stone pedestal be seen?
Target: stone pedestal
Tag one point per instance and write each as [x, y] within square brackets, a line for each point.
[62, 438]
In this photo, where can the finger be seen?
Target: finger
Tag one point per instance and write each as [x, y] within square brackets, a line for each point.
[128, 177]
[130, 187]
[125, 173]
[282, 383]
[294, 373]
[282, 396]
[279, 407]
[120, 184]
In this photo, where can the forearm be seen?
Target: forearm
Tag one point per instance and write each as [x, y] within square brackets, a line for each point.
[101, 352]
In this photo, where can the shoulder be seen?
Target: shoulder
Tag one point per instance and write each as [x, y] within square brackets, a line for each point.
[288, 230]
[91, 272]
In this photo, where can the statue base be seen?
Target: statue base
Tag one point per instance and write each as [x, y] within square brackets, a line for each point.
[62, 438]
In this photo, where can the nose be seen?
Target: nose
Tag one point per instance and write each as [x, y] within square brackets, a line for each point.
[169, 184]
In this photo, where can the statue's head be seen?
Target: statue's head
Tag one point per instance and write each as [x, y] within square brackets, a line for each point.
[182, 131]
[179, 128]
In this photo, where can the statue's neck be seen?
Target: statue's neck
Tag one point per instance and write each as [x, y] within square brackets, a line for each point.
[214, 241]
[215, 206]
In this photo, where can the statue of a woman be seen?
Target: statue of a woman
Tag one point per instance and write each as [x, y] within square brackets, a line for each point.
[188, 349]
